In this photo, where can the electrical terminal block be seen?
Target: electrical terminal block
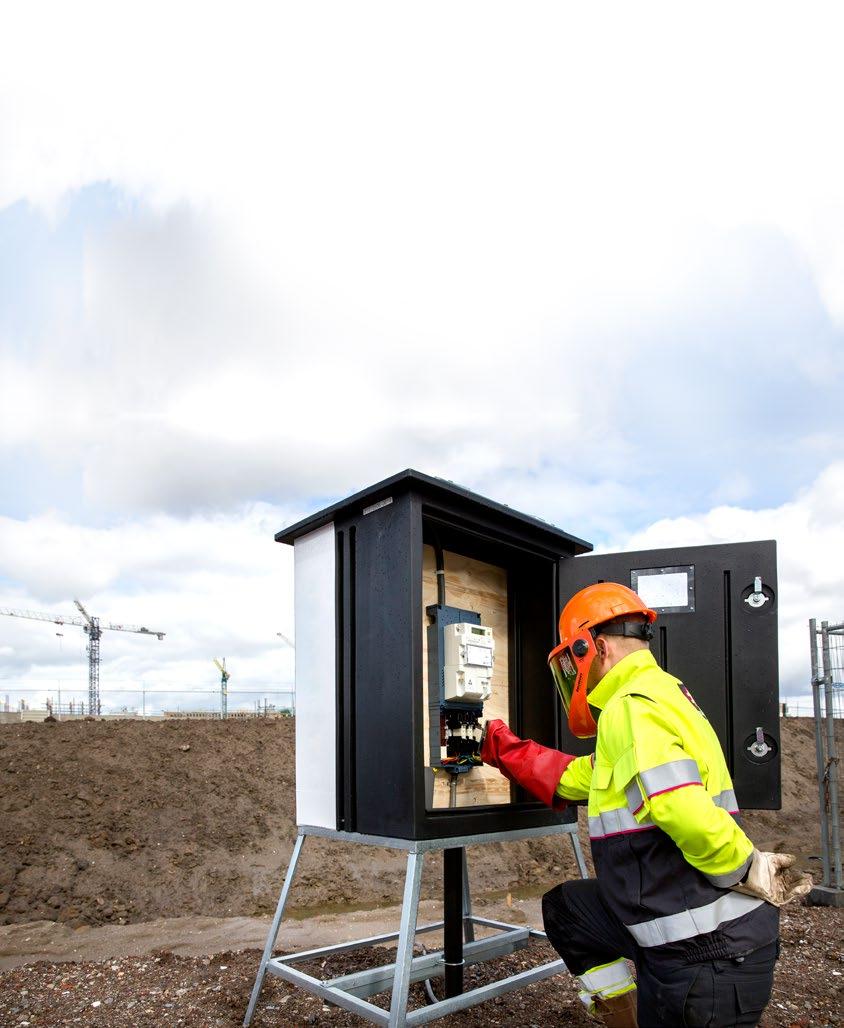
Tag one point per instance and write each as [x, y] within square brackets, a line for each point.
[460, 732]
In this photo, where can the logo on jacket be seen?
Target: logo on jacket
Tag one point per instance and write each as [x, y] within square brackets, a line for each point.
[691, 699]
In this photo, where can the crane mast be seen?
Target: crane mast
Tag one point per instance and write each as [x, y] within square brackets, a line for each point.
[224, 687]
[93, 629]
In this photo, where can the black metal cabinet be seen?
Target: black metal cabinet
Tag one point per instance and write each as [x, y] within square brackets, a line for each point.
[378, 718]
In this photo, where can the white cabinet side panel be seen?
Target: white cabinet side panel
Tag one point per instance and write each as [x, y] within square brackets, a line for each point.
[316, 710]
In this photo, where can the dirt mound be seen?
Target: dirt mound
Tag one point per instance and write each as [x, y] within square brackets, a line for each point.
[125, 821]
[115, 821]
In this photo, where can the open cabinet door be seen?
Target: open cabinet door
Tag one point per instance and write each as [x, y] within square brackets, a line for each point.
[717, 633]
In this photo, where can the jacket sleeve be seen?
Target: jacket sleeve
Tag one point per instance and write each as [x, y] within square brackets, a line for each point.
[669, 790]
[576, 779]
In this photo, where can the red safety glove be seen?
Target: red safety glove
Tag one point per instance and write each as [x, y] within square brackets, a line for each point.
[536, 768]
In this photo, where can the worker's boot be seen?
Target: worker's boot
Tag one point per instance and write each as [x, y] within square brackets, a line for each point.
[617, 1011]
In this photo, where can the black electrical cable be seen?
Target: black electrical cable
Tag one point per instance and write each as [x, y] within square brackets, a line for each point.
[440, 563]
[429, 989]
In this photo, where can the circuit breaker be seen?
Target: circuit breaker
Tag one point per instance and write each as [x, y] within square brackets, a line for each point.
[461, 656]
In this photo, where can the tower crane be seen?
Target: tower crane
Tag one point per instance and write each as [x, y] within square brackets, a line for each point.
[93, 629]
[224, 687]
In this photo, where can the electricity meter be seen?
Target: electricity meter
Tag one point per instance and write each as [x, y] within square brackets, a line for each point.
[469, 659]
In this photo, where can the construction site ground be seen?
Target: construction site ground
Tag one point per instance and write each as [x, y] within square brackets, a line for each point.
[139, 864]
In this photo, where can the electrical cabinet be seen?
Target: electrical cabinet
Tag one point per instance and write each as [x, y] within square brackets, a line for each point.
[371, 728]
[423, 609]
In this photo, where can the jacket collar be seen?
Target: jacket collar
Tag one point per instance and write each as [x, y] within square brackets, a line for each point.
[619, 676]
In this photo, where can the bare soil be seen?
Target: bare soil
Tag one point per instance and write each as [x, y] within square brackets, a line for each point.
[119, 822]
[122, 823]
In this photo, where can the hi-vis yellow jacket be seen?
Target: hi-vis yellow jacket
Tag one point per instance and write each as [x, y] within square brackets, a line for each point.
[663, 825]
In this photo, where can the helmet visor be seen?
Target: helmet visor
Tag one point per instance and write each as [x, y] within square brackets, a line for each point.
[564, 670]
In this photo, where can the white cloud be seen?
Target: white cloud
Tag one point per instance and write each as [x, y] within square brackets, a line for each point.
[364, 153]
[357, 239]
[216, 585]
[587, 262]
[183, 386]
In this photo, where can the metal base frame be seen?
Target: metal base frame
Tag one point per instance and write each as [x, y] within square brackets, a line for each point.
[350, 991]
[825, 896]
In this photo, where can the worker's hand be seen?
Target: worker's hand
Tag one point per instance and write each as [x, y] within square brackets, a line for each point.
[488, 746]
[536, 768]
[773, 877]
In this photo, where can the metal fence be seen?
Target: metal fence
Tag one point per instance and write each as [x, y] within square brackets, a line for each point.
[804, 706]
[826, 645]
[143, 700]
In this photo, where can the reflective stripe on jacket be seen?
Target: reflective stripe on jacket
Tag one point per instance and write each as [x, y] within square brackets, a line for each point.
[663, 818]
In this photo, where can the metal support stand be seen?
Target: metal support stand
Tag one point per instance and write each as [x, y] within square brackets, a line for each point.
[350, 990]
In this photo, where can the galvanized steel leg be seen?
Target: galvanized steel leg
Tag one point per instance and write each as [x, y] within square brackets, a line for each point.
[578, 853]
[407, 933]
[819, 750]
[274, 927]
[468, 927]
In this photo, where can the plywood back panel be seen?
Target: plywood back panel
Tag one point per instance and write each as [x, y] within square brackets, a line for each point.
[471, 585]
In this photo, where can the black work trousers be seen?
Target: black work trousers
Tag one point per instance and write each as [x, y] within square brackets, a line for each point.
[670, 990]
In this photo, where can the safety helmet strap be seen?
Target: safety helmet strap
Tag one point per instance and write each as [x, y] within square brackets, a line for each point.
[631, 629]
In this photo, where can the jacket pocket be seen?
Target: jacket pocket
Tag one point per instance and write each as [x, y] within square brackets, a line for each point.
[625, 769]
[753, 993]
[699, 1006]
[601, 776]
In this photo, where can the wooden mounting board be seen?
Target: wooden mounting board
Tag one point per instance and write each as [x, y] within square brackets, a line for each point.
[470, 585]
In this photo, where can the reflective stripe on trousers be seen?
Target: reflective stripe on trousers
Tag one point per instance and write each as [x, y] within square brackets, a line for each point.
[606, 978]
[688, 923]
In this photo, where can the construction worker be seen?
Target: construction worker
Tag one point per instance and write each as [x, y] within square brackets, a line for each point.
[679, 890]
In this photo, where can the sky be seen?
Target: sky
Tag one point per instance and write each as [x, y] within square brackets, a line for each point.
[589, 263]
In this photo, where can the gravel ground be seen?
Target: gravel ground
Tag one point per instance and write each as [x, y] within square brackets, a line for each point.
[162, 989]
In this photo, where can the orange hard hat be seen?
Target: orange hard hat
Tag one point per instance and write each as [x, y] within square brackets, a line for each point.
[570, 662]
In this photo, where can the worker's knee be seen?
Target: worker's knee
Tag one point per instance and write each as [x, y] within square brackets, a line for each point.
[557, 914]
[551, 900]
[568, 898]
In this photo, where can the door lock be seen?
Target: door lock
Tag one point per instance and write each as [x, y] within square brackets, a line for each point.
[757, 598]
[759, 747]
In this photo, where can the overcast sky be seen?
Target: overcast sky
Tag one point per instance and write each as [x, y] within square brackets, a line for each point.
[590, 263]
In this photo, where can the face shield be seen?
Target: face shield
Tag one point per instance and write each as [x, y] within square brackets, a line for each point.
[570, 669]
[564, 671]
